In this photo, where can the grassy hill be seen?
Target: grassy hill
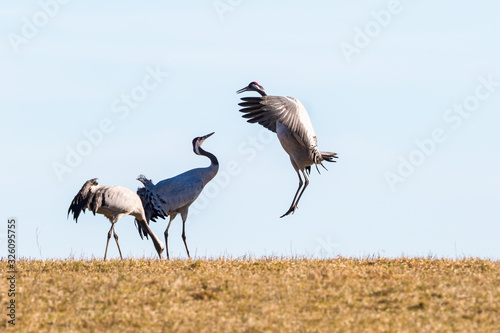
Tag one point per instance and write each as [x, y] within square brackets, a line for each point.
[261, 295]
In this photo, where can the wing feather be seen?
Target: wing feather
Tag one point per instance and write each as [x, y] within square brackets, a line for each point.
[267, 110]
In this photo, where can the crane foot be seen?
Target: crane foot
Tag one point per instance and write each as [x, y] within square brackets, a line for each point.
[290, 211]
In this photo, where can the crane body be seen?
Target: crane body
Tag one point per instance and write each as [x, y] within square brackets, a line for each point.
[114, 202]
[288, 118]
[175, 195]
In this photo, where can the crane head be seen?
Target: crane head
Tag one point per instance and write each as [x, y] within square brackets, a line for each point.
[253, 86]
[197, 142]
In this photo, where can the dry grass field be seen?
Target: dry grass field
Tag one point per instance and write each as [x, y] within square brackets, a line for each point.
[257, 295]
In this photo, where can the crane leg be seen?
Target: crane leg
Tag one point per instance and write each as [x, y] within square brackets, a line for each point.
[293, 206]
[172, 217]
[109, 236]
[303, 189]
[184, 218]
[116, 239]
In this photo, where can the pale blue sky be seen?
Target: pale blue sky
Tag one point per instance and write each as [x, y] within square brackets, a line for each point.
[425, 58]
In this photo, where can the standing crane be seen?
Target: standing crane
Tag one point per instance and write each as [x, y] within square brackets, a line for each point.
[174, 195]
[113, 202]
[288, 118]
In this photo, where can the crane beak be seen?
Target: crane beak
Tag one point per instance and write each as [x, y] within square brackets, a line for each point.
[203, 138]
[242, 90]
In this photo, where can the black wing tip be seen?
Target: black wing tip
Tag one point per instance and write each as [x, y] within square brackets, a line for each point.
[253, 98]
[75, 217]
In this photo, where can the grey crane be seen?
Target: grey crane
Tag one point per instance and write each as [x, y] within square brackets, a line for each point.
[113, 202]
[174, 195]
[288, 118]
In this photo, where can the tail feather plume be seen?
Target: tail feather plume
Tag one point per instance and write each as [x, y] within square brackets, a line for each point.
[328, 156]
[150, 203]
[321, 156]
[82, 200]
[147, 182]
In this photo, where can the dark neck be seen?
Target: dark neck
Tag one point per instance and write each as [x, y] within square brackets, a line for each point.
[211, 156]
[262, 92]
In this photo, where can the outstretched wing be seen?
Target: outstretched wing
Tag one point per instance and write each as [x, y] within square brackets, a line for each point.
[290, 112]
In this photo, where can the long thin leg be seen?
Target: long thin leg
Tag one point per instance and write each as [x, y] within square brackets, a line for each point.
[184, 218]
[293, 206]
[109, 236]
[172, 217]
[116, 239]
[303, 189]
